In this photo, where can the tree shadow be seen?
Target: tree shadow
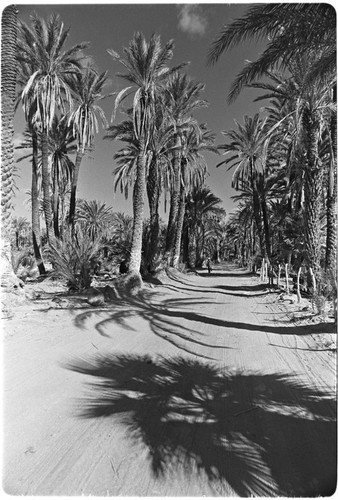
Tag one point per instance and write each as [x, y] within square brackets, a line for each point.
[264, 435]
[225, 274]
[164, 321]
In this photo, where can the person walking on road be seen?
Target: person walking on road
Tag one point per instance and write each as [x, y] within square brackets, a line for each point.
[209, 265]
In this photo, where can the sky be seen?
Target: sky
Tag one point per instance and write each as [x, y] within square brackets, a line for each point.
[111, 26]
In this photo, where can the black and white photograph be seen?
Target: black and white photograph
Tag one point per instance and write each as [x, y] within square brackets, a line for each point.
[169, 249]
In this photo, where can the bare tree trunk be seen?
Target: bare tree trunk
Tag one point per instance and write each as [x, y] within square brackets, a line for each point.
[179, 227]
[287, 278]
[8, 82]
[138, 210]
[36, 234]
[75, 177]
[153, 193]
[298, 284]
[174, 203]
[46, 186]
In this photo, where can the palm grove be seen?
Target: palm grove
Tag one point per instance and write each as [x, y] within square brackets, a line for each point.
[283, 160]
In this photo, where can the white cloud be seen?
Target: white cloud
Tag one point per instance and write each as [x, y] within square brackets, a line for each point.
[191, 20]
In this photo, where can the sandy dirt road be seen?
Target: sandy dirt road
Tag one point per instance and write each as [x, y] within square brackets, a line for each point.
[199, 387]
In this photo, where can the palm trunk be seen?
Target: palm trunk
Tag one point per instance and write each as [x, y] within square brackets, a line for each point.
[153, 193]
[266, 227]
[56, 205]
[179, 227]
[186, 256]
[46, 186]
[287, 278]
[174, 203]
[312, 194]
[298, 284]
[36, 234]
[331, 222]
[257, 211]
[75, 176]
[8, 82]
[138, 209]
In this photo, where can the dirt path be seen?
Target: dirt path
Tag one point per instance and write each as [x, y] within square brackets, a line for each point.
[196, 388]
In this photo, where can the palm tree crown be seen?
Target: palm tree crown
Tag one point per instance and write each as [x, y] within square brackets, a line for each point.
[291, 29]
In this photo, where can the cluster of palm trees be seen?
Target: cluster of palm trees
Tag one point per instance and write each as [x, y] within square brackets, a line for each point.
[163, 144]
[284, 160]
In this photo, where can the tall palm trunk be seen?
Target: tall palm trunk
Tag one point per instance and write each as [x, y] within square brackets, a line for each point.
[266, 226]
[153, 193]
[36, 233]
[56, 206]
[186, 256]
[174, 203]
[75, 177]
[138, 209]
[46, 186]
[179, 226]
[257, 211]
[312, 193]
[331, 222]
[8, 82]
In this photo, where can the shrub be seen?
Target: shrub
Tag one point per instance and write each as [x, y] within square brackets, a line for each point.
[72, 258]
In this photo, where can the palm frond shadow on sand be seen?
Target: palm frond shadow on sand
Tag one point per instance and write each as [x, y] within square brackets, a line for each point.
[251, 430]
[164, 320]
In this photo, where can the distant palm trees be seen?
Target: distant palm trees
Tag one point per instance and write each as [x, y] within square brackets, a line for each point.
[300, 154]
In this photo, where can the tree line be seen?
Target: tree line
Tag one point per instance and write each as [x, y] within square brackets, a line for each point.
[283, 159]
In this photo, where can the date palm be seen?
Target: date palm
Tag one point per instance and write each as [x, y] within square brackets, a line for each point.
[158, 166]
[41, 49]
[201, 206]
[248, 155]
[31, 141]
[182, 97]
[195, 141]
[311, 122]
[61, 145]
[8, 82]
[290, 30]
[87, 87]
[146, 69]
[95, 217]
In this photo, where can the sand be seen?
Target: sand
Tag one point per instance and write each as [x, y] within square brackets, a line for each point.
[202, 385]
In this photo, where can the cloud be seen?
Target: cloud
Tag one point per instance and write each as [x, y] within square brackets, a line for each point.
[191, 20]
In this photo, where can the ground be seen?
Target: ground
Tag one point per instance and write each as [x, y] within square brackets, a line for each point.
[201, 385]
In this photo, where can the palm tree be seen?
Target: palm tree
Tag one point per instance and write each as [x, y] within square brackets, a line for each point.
[61, 145]
[21, 228]
[193, 172]
[95, 217]
[248, 156]
[41, 49]
[160, 148]
[310, 120]
[291, 30]
[201, 207]
[8, 82]
[182, 97]
[146, 69]
[87, 89]
[122, 235]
